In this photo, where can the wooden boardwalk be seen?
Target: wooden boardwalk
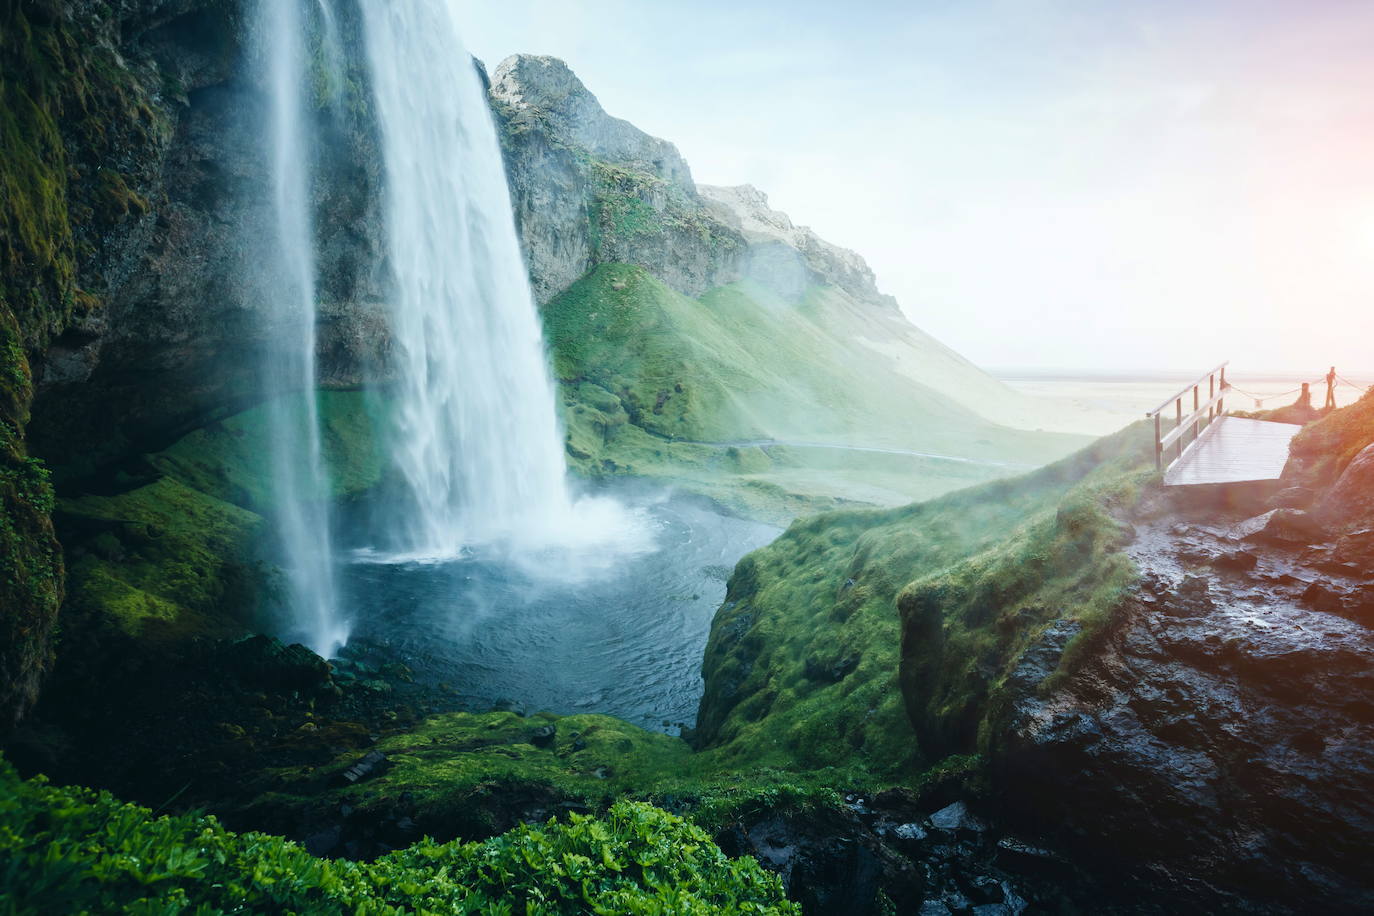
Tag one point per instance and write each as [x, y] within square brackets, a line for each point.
[1233, 450]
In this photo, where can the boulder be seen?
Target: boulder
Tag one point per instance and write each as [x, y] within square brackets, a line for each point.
[1294, 498]
[1279, 526]
[1350, 502]
[956, 818]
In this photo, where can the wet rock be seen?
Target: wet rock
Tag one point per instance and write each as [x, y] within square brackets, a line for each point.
[1230, 753]
[1191, 598]
[1350, 502]
[1279, 526]
[268, 662]
[909, 832]
[1294, 498]
[1356, 549]
[956, 818]
[1024, 858]
[1238, 560]
[544, 735]
[372, 763]
[1320, 597]
[324, 842]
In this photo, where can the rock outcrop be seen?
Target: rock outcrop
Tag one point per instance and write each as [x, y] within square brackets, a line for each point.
[786, 258]
[1220, 734]
[591, 189]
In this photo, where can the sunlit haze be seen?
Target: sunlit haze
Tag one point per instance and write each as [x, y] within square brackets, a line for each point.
[1072, 185]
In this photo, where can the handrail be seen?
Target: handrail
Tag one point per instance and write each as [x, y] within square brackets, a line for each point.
[1188, 387]
[1202, 416]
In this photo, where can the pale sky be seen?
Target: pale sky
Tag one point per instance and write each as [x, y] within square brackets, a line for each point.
[1147, 184]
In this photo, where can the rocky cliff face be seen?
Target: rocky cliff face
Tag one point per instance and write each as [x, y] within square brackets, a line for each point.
[134, 194]
[787, 258]
[590, 189]
[178, 334]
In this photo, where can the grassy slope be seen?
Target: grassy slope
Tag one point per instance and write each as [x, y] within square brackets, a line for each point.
[817, 665]
[1324, 448]
[802, 667]
[649, 376]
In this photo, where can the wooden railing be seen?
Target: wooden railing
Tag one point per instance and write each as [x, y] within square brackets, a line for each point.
[1202, 415]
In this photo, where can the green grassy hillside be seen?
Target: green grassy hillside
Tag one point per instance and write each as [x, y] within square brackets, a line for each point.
[656, 383]
[823, 629]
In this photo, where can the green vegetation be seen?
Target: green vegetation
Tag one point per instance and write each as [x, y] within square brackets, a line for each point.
[176, 551]
[462, 769]
[1324, 448]
[660, 385]
[61, 89]
[229, 459]
[73, 850]
[802, 667]
[161, 560]
[629, 206]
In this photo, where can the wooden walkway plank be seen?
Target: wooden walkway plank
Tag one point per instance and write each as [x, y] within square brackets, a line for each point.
[1234, 450]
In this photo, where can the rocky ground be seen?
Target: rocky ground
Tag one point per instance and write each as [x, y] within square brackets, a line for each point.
[1222, 735]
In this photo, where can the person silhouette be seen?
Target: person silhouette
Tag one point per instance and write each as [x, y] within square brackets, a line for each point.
[1330, 390]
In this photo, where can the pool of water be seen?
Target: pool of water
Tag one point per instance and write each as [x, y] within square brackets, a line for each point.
[623, 635]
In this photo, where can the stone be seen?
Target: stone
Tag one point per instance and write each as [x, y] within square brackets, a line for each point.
[909, 832]
[1322, 598]
[544, 735]
[1350, 501]
[956, 818]
[1237, 560]
[371, 764]
[1294, 498]
[1279, 526]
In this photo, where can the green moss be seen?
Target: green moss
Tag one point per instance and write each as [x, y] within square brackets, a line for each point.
[162, 560]
[62, 88]
[802, 666]
[460, 771]
[179, 553]
[31, 567]
[73, 850]
[627, 206]
[231, 459]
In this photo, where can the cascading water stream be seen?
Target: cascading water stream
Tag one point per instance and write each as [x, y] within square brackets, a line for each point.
[476, 437]
[300, 487]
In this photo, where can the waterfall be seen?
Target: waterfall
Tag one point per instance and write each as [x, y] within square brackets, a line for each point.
[476, 438]
[300, 487]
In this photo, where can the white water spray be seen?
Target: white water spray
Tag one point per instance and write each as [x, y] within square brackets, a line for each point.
[300, 487]
[476, 436]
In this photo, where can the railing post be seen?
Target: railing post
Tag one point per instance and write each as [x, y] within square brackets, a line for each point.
[1178, 421]
[1211, 393]
[1196, 404]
